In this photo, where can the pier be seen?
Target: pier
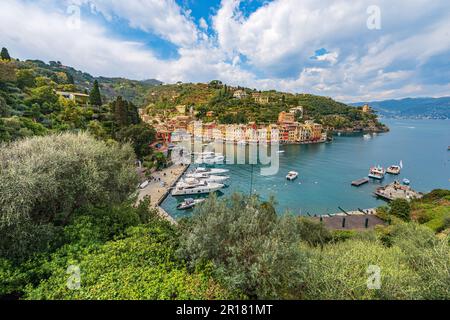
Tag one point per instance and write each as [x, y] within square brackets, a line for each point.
[160, 187]
[360, 182]
[396, 190]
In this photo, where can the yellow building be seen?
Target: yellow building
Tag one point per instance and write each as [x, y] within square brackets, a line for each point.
[260, 98]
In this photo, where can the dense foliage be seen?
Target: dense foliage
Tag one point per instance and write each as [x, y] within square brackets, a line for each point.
[265, 256]
[67, 201]
[30, 104]
[219, 99]
[45, 180]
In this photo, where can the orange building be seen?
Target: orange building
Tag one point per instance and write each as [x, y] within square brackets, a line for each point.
[285, 117]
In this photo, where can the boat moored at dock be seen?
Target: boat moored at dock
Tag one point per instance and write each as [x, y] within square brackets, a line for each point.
[207, 177]
[193, 186]
[394, 169]
[189, 203]
[377, 173]
[210, 170]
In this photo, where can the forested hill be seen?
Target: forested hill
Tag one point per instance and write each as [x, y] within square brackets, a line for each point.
[131, 90]
[217, 101]
[434, 108]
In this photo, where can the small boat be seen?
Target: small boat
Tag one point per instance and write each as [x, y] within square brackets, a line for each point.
[292, 175]
[394, 169]
[189, 203]
[406, 182]
[448, 148]
[377, 173]
[367, 137]
[210, 171]
[281, 151]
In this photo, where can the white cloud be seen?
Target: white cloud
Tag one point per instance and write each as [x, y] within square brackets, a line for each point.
[268, 49]
[164, 18]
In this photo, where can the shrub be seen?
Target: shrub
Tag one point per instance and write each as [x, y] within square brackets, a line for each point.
[253, 251]
[45, 180]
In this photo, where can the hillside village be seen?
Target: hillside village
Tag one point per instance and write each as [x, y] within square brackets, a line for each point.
[219, 112]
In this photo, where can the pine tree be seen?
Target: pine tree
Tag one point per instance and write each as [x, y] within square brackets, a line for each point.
[120, 110]
[95, 97]
[5, 54]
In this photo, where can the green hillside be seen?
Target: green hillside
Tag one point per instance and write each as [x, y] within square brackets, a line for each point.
[218, 97]
[30, 105]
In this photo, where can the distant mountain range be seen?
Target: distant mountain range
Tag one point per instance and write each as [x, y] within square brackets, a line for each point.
[433, 108]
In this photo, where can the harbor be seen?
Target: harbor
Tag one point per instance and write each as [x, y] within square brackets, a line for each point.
[326, 171]
[159, 188]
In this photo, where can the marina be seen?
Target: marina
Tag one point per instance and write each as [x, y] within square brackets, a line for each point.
[327, 170]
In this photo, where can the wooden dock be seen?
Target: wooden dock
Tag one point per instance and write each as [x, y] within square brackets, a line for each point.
[360, 182]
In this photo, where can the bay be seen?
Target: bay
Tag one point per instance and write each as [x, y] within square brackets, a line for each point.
[327, 170]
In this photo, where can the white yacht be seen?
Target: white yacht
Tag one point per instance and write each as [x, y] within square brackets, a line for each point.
[377, 173]
[194, 186]
[210, 159]
[208, 178]
[292, 175]
[210, 171]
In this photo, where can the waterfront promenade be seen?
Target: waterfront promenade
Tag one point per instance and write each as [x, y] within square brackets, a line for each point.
[160, 187]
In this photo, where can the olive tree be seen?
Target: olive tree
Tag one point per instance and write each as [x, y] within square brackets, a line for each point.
[253, 251]
[44, 180]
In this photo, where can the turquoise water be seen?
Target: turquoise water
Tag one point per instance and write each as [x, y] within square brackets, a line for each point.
[326, 170]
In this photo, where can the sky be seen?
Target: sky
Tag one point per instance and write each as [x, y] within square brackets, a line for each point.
[349, 50]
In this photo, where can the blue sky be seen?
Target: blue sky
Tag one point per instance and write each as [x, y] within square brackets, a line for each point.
[351, 51]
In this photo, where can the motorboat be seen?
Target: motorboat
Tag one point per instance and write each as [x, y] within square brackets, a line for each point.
[210, 159]
[394, 169]
[207, 177]
[194, 186]
[406, 182]
[376, 173]
[189, 203]
[210, 171]
[292, 175]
